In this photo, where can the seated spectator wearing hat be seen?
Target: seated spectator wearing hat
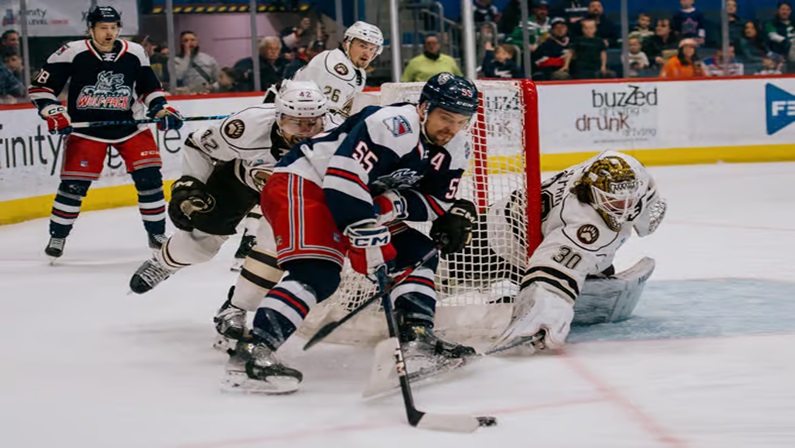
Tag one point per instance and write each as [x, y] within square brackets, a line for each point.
[550, 56]
[538, 26]
[499, 62]
[663, 42]
[685, 64]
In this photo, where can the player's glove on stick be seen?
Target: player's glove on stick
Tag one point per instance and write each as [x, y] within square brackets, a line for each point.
[453, 230]
[168, 116]
[189, 200]
[58, 120]
[370, 248]
[389, 207]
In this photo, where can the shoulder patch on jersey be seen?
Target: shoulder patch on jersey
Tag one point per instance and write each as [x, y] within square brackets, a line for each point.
[235, 128]
[341, 69]
[398, 125]
[62, 50]
[588, 234]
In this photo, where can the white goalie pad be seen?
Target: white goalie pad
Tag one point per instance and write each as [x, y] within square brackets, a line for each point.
[612, 299]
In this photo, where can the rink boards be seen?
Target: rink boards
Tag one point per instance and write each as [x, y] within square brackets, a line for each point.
[660, 122]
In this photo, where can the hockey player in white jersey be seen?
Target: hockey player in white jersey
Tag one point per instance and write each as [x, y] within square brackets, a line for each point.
[224, 168]
[346, 193]
[589, 211]
[340, 74]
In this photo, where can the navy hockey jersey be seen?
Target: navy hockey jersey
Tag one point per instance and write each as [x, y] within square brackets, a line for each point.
[102, 86]
[380, 149]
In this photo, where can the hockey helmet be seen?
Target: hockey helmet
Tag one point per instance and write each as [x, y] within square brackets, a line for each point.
[103, 14]
[300, 108]
[366, 32]
[450, 92]
[614, 188]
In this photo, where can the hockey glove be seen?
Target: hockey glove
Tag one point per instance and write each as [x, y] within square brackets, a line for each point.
[168, 116]
[189, 199]
[453, 230]
[58, 121]
[389, 207]
[370, 248]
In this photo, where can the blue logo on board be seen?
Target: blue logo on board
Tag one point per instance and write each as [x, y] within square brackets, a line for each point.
[780, 108]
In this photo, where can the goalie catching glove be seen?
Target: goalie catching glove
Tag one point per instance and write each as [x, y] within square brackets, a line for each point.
[189, 201]
[370, 247]
[453, 230]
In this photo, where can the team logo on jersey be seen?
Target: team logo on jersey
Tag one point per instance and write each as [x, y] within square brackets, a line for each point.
[341, 68]
[235, 128]
[109, 93]
[62, 50]
[398, 125]
[588, 234]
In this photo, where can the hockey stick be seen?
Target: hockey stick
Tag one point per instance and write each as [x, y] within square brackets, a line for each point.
[417, 418]
[99, 124]
[327, 329]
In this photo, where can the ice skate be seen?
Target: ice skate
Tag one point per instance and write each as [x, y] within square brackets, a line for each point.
[230, 323]
[253, 368]
[156, 240]
[150, 274]
[54, 248]
[427, 355]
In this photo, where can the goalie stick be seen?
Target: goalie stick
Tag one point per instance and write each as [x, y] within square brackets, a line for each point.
[98, 124]
[327, 329]
[417, 418]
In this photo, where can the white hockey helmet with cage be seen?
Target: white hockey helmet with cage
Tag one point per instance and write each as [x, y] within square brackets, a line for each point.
[616, 187]
[301, 99]
[366, 32]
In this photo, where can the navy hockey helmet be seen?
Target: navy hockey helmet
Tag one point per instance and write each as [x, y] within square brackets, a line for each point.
[103, 14]
[450, 92]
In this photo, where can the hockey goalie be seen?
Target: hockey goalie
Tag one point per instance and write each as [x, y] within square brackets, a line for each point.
[588, 212]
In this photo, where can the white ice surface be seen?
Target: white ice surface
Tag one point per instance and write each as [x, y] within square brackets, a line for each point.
[86, 365]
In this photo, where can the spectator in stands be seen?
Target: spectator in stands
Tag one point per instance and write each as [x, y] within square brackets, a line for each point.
[147, 44]
[303, 59]
[500, 62]
[662, 45]
[605, 28]
[587, 57]
[770, 66]
[642, 29]
[537, 25]
[735, 23]
[685, 64]
[159, 64]
[9, 40]
[572, 10]
[430, 62]
[512, 15]
[295, 37]
[486, 11]
[780, 31]
[688, 22]
[13, 62]
[228, 81]
[195, 71]
[550, 57]
[751, 45]
[636, 57]
[10, 87]
[271, 65]
[720, 65]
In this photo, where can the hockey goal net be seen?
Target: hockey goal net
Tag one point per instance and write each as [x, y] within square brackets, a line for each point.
[474, 289]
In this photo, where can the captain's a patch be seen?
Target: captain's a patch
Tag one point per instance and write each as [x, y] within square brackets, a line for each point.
[398, 125]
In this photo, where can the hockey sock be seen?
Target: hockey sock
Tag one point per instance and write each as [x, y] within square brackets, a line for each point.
[151, 201]
[66, 206]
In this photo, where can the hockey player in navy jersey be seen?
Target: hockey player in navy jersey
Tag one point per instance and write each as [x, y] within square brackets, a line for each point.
[349, 192]
[106, 77]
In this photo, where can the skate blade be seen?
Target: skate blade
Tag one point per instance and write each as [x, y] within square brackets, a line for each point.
[237, 266]
[239, 383]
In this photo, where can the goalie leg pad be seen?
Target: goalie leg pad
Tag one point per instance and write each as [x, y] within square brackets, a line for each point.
[612, 299]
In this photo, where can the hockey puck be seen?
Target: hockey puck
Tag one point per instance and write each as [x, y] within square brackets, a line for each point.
[487, 421]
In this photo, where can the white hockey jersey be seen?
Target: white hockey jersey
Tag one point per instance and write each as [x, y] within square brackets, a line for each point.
[338, 78]
[248, 138]
[576, 240]
[375, 150]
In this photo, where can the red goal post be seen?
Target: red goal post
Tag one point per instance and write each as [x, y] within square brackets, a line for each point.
[472, 287]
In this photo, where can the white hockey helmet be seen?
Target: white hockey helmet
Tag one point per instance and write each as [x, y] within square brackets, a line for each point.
[368, 33]
[616, 186]
[301, 99]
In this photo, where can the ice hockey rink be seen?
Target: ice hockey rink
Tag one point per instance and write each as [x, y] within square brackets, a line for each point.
[707, 360]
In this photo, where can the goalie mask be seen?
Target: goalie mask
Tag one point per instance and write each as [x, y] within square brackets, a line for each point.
[300, 110]
[611, 186]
